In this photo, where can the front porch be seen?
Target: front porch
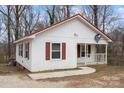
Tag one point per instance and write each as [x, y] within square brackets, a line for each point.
[89, 54]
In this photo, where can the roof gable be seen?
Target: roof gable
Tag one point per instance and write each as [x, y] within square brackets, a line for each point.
[79, 16]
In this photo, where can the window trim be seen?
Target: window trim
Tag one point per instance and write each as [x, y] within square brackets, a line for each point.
[60, 51]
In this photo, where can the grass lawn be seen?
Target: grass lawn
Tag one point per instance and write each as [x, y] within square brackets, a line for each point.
[105, 76]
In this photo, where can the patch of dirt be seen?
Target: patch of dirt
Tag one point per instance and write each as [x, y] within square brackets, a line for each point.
[4, 72]
[113, 78]
[105, 76]
[5, 69]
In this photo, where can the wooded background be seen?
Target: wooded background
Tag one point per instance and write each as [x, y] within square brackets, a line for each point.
[17, 21]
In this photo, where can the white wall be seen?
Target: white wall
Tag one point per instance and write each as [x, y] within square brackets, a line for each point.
[39, 63]
[72, 32]
[22, 60]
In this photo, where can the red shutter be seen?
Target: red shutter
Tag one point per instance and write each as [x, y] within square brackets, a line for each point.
[78, 50]
[63, 50]
[47, 50]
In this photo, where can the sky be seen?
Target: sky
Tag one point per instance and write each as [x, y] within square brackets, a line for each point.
[118, 10]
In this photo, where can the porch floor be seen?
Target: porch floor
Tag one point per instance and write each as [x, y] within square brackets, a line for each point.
[46, 75]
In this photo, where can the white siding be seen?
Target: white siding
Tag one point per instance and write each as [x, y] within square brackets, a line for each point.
[39, 63]
[22, 60]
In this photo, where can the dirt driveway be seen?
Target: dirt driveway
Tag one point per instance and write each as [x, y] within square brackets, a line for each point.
[105, 76]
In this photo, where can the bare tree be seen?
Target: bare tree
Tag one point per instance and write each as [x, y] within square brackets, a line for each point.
[104, 17]
[100, 15]
[67, 10]
[116, 49]
[95, 13]
[8, 28]
[17, 12]
[51, 13]
[30, 20]
[6, 12]
[93, 9]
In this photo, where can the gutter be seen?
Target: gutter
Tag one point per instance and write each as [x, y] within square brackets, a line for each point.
[25, 38]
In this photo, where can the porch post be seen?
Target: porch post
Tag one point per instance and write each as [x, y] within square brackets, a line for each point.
[106, 54]
[85, 53]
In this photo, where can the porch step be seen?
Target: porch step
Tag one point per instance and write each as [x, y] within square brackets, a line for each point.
[58, 74]
[81, 64]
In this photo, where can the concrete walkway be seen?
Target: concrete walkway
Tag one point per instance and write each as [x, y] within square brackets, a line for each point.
[46, 75]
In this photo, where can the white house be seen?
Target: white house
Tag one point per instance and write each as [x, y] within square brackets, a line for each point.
[63, 45]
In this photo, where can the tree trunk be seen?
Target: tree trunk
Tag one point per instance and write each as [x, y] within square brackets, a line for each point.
[17, 23]
[104, 17]
[51, 14]
[123, 44]
[95, 11]
[68, 10]
[8, 28]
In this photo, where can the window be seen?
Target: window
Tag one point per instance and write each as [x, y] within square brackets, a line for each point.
[27, 50]
[55, 50]
[21, 50]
